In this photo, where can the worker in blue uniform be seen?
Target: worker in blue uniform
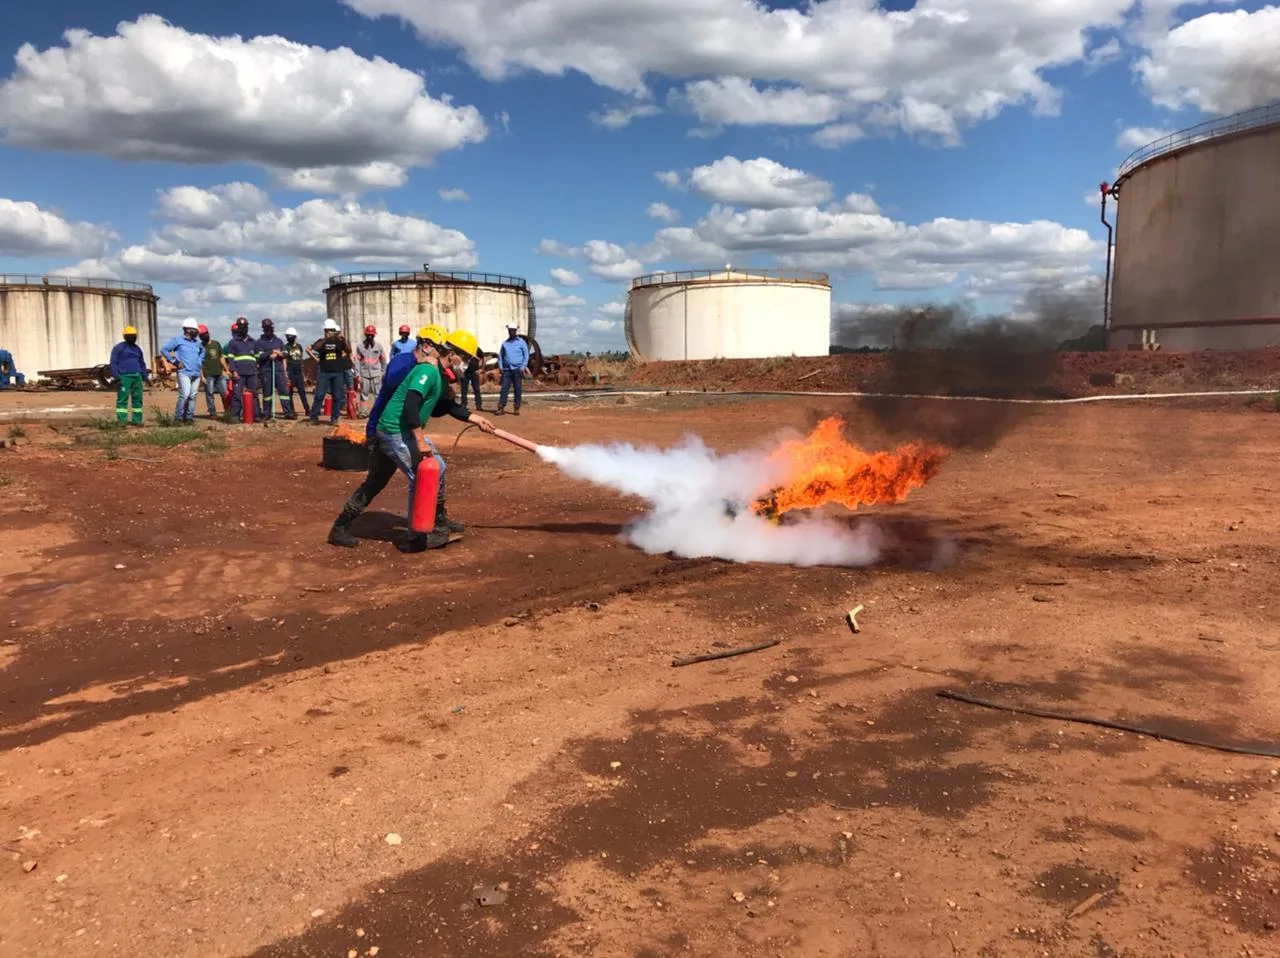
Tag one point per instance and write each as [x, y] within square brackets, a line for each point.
[513, 361]
[242, 355]
[271, 371]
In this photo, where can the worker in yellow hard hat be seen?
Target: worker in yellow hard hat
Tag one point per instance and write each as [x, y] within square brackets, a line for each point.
[129, 369]
[396, 438]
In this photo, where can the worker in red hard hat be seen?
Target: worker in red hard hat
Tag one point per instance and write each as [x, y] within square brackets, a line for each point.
[371, 361]
[405, 344]
[213, 373]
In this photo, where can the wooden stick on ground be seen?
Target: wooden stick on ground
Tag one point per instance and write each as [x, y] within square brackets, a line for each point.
[690, 660]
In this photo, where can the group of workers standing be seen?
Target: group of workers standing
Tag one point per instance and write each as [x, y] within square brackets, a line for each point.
[248, 370]
[242, 370]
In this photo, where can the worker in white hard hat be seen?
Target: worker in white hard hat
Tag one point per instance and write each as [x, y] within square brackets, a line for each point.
[294, 356]
[332, 354]
[185, 353]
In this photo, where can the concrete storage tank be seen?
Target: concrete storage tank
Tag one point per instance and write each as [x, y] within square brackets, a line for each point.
[69, 322]
[485, 303]
[729, 314]
[1196, 244]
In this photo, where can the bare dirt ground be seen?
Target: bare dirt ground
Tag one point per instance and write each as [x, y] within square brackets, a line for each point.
[206, 751]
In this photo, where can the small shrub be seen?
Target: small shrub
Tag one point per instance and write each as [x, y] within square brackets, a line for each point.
[17, 431]
[162, 418]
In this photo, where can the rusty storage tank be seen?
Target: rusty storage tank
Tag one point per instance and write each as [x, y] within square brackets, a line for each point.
[484, 303]
[1196, 246]
[72, 322]
[728, 314]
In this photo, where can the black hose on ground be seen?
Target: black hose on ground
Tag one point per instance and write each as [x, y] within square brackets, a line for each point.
[1265, 751]
[454, 447]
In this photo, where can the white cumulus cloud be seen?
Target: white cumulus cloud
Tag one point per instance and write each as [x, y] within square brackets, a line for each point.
[28, 230]
[661, 211]
[565, 277]
[315, 229]
[734, 101]
[454, 196]
[322, 120]
[1220, 62]
[760, 183]
[1132, 137]
[617, 117]
[929, 70]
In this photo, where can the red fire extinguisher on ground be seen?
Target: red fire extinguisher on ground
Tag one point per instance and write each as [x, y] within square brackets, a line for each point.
[426, 484]
[351, 404]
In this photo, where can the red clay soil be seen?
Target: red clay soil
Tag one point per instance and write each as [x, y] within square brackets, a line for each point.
[1064, 374]
[221, 736]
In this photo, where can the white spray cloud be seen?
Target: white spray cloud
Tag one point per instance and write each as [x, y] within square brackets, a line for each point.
[688, 487]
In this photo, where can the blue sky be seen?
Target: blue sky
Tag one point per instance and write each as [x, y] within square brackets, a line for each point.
[935, 151]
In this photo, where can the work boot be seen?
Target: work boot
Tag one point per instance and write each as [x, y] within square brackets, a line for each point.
[422, 541]
[340, 534]
[444, 522]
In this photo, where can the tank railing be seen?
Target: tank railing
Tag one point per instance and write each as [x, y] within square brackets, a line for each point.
[431, 275]
[1252, 119]
[733, 274]
[28, 279]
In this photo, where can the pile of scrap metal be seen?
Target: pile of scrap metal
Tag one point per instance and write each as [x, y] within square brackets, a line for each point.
[85, 377]
[564, 372]
[96, 377]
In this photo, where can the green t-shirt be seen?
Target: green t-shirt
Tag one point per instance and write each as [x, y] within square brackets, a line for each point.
[212, 358]
[423, 379]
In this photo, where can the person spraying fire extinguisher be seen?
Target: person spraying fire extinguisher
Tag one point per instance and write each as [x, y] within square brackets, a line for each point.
[399, 443]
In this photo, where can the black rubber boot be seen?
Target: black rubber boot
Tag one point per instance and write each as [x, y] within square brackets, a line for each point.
[444, 522]
[422, 541]
[340, 534]
[442, 517]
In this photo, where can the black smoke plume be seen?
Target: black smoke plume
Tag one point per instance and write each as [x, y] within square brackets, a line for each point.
[949, 350]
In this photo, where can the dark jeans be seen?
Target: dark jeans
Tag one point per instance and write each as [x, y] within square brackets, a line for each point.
[245, 385]
[329, 384]
[273, 379]
[299, 382]
[390, 453]
[511, 378]
[472, 379]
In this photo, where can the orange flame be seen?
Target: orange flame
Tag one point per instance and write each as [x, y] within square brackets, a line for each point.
[824, 467]
[349, 432]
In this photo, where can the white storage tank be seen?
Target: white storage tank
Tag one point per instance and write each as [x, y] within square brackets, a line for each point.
[484, 303]
[71, 322]
[729, 314]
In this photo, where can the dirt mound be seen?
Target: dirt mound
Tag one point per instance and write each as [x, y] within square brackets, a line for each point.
[1067, 374]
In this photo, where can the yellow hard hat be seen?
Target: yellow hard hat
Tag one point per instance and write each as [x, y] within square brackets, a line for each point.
[130, 331]
[463, 341]
[433, 333]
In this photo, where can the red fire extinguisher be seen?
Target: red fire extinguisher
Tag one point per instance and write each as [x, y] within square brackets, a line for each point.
[351, 404]
[426, 484]
[247, 400]
[328, 405]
